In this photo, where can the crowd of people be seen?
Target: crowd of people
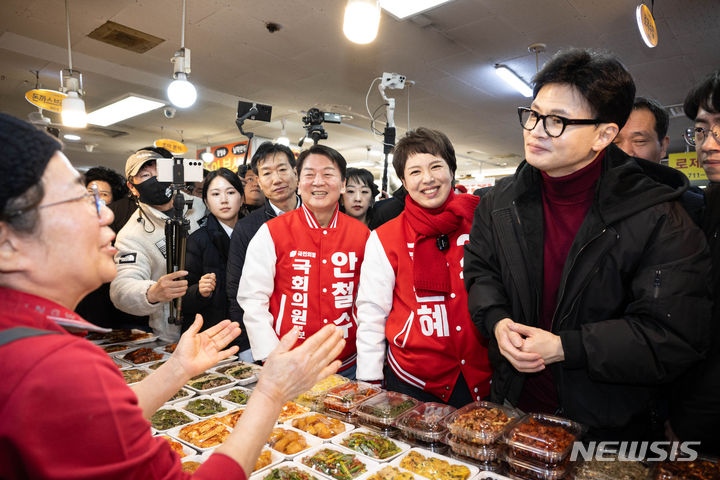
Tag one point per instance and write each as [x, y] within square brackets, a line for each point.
[585, 285]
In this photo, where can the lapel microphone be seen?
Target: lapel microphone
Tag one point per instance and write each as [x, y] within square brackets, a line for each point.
[442, 242]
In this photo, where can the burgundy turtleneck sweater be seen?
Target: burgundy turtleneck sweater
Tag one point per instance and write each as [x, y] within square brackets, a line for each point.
[566, 201]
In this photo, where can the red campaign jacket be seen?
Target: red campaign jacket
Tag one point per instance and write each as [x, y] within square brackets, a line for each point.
[430, 340]
[315, 280]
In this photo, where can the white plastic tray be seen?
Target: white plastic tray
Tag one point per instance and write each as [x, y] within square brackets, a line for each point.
[427, 453]
[228, 406]
[309, 439]
[348, 426]
[370, 465]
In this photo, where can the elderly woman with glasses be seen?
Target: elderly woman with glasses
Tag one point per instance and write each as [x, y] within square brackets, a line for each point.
[67, 412]
[411, 294]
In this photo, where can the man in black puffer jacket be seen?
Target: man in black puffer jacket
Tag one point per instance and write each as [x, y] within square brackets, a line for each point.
[274, 165]
[586, 275]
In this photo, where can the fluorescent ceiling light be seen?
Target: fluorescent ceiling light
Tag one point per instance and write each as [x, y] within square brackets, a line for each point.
[71, 137]
[401, 9]
[128, 107]
[514, 80]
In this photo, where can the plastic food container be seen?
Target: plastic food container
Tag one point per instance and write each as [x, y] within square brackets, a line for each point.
[286, 471]
[243, 373]
[291, 410]
[483, 453]
[388, 472]
[320, 425]
[611, 470]
[205, 406]
[525, 468]
[117, 347]
[435, 466]
[481, 423]
[344, 398]
[425, 421]
[179, 448]
[336, 463]
[237, 395]
[543, 438]
[311, 397]
[207, 383]
[282, 438]
[182, 394]
[142, 356]
[192, 463]
[204, 435]
[231, 418]
[384, 408]
[134, 375]
[700, 469]
[371, 445]
[167, 418]
[262, 465]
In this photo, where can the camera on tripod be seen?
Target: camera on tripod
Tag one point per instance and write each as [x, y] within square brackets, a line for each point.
[312, 123]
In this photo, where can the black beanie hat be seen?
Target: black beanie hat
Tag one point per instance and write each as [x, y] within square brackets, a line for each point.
[24, 154]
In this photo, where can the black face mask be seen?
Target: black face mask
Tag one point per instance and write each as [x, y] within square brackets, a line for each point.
[153, 192]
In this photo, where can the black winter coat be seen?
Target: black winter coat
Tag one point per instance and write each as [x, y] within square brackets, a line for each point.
[633, 304]
[207, 252]
[245, 229]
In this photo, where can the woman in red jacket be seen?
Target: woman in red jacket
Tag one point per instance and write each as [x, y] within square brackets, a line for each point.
[414, 329]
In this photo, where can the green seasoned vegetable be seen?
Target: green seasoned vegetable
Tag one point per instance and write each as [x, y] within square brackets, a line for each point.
[180, 394]
[207, 382]
[392, 409]
[204, 407]
[288, 473]
[342, 466]
[134, 375]
[238, 371]
[164, 419]
[371, 444]
[237, 396]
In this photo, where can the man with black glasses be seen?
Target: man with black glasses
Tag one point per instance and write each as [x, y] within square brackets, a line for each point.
[695, 412]
[586, 276]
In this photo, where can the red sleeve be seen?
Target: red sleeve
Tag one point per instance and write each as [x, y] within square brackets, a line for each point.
[70, 415]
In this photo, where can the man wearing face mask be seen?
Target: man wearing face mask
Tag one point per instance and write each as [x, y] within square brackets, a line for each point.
[142, 285]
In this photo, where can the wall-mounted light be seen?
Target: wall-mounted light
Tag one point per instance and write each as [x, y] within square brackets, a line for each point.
[362, 19]
[73, 107]
[181, 92]
[513, 79]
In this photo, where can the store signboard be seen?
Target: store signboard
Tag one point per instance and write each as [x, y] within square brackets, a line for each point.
[174, 147]
[230, 155]
[50, 100]
[688, 164]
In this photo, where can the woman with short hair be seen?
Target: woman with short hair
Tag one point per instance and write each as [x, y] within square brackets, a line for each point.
[411, 292]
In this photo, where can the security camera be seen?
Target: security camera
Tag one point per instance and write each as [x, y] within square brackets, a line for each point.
[169, 112]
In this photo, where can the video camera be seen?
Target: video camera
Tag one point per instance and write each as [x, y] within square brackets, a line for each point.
[312, 123]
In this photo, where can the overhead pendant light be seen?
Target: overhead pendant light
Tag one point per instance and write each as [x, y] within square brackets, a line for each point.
[362, 18]
[513, 79]
[207, 156]
[73, 107]
[283, 138]
[181, 92]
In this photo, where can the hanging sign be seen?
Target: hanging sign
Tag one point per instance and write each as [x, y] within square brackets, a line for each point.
[171, 145]
[50, 100]
[646, 25]
[688, 164]
[229, 156]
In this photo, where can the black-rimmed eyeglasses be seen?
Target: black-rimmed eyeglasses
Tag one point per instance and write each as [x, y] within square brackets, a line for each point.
[554, 125]
[93, 197]
[697, 135]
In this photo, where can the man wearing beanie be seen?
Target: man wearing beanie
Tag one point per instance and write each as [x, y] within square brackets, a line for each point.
[143, 286]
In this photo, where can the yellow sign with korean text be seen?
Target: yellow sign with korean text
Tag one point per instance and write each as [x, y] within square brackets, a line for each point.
[688, 164]
[230, 156]
[646, 23]
[171, 145]
[46, 99]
